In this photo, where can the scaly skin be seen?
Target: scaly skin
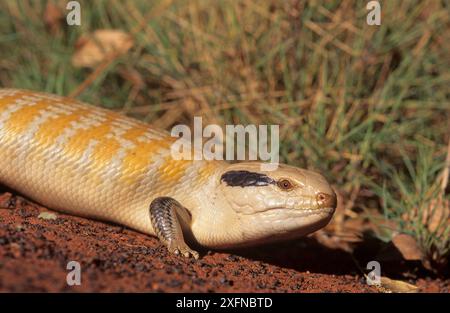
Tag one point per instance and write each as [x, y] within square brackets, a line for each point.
[95, 163]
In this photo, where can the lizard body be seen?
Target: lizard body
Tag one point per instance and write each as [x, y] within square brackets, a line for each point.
[92, 162]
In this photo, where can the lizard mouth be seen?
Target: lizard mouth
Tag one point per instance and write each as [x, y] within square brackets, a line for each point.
[295, 212]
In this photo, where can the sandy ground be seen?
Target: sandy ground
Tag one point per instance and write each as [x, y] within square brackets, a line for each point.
[34, 252]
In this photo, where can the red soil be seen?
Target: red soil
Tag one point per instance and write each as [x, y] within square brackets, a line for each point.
[34, 253]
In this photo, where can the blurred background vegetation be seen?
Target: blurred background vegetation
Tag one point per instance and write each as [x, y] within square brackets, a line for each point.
[367, 106]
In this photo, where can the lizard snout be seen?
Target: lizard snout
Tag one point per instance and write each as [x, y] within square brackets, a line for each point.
[326, 200]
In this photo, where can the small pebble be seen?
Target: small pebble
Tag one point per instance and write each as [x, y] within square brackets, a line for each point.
[20, 227]
[47, 216]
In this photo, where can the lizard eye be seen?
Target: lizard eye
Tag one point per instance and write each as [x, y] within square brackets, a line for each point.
[285, 184]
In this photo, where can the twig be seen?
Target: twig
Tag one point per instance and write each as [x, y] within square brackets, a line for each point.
[91, 78]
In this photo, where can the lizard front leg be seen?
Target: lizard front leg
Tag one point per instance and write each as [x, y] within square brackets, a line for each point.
[165, 214]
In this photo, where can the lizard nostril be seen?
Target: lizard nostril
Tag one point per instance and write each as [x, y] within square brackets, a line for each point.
[326, 201]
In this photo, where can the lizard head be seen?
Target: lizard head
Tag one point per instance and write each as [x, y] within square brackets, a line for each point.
[272, 205]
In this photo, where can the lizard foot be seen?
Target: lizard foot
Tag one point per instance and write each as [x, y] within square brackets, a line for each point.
[178, 248]
[165, 215]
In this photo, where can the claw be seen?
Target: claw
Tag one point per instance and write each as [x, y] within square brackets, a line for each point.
[182, 249]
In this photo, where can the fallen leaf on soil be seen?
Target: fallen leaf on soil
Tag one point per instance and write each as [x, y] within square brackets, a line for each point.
[99, 46]
[398, 286]
[408, 247]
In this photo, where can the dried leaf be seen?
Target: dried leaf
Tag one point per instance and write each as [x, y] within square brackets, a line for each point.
[398, 286]
[408, 247]
[100, 46]
[53, 17]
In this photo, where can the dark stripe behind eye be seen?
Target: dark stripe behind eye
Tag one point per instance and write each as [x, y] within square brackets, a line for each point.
[246, 178]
